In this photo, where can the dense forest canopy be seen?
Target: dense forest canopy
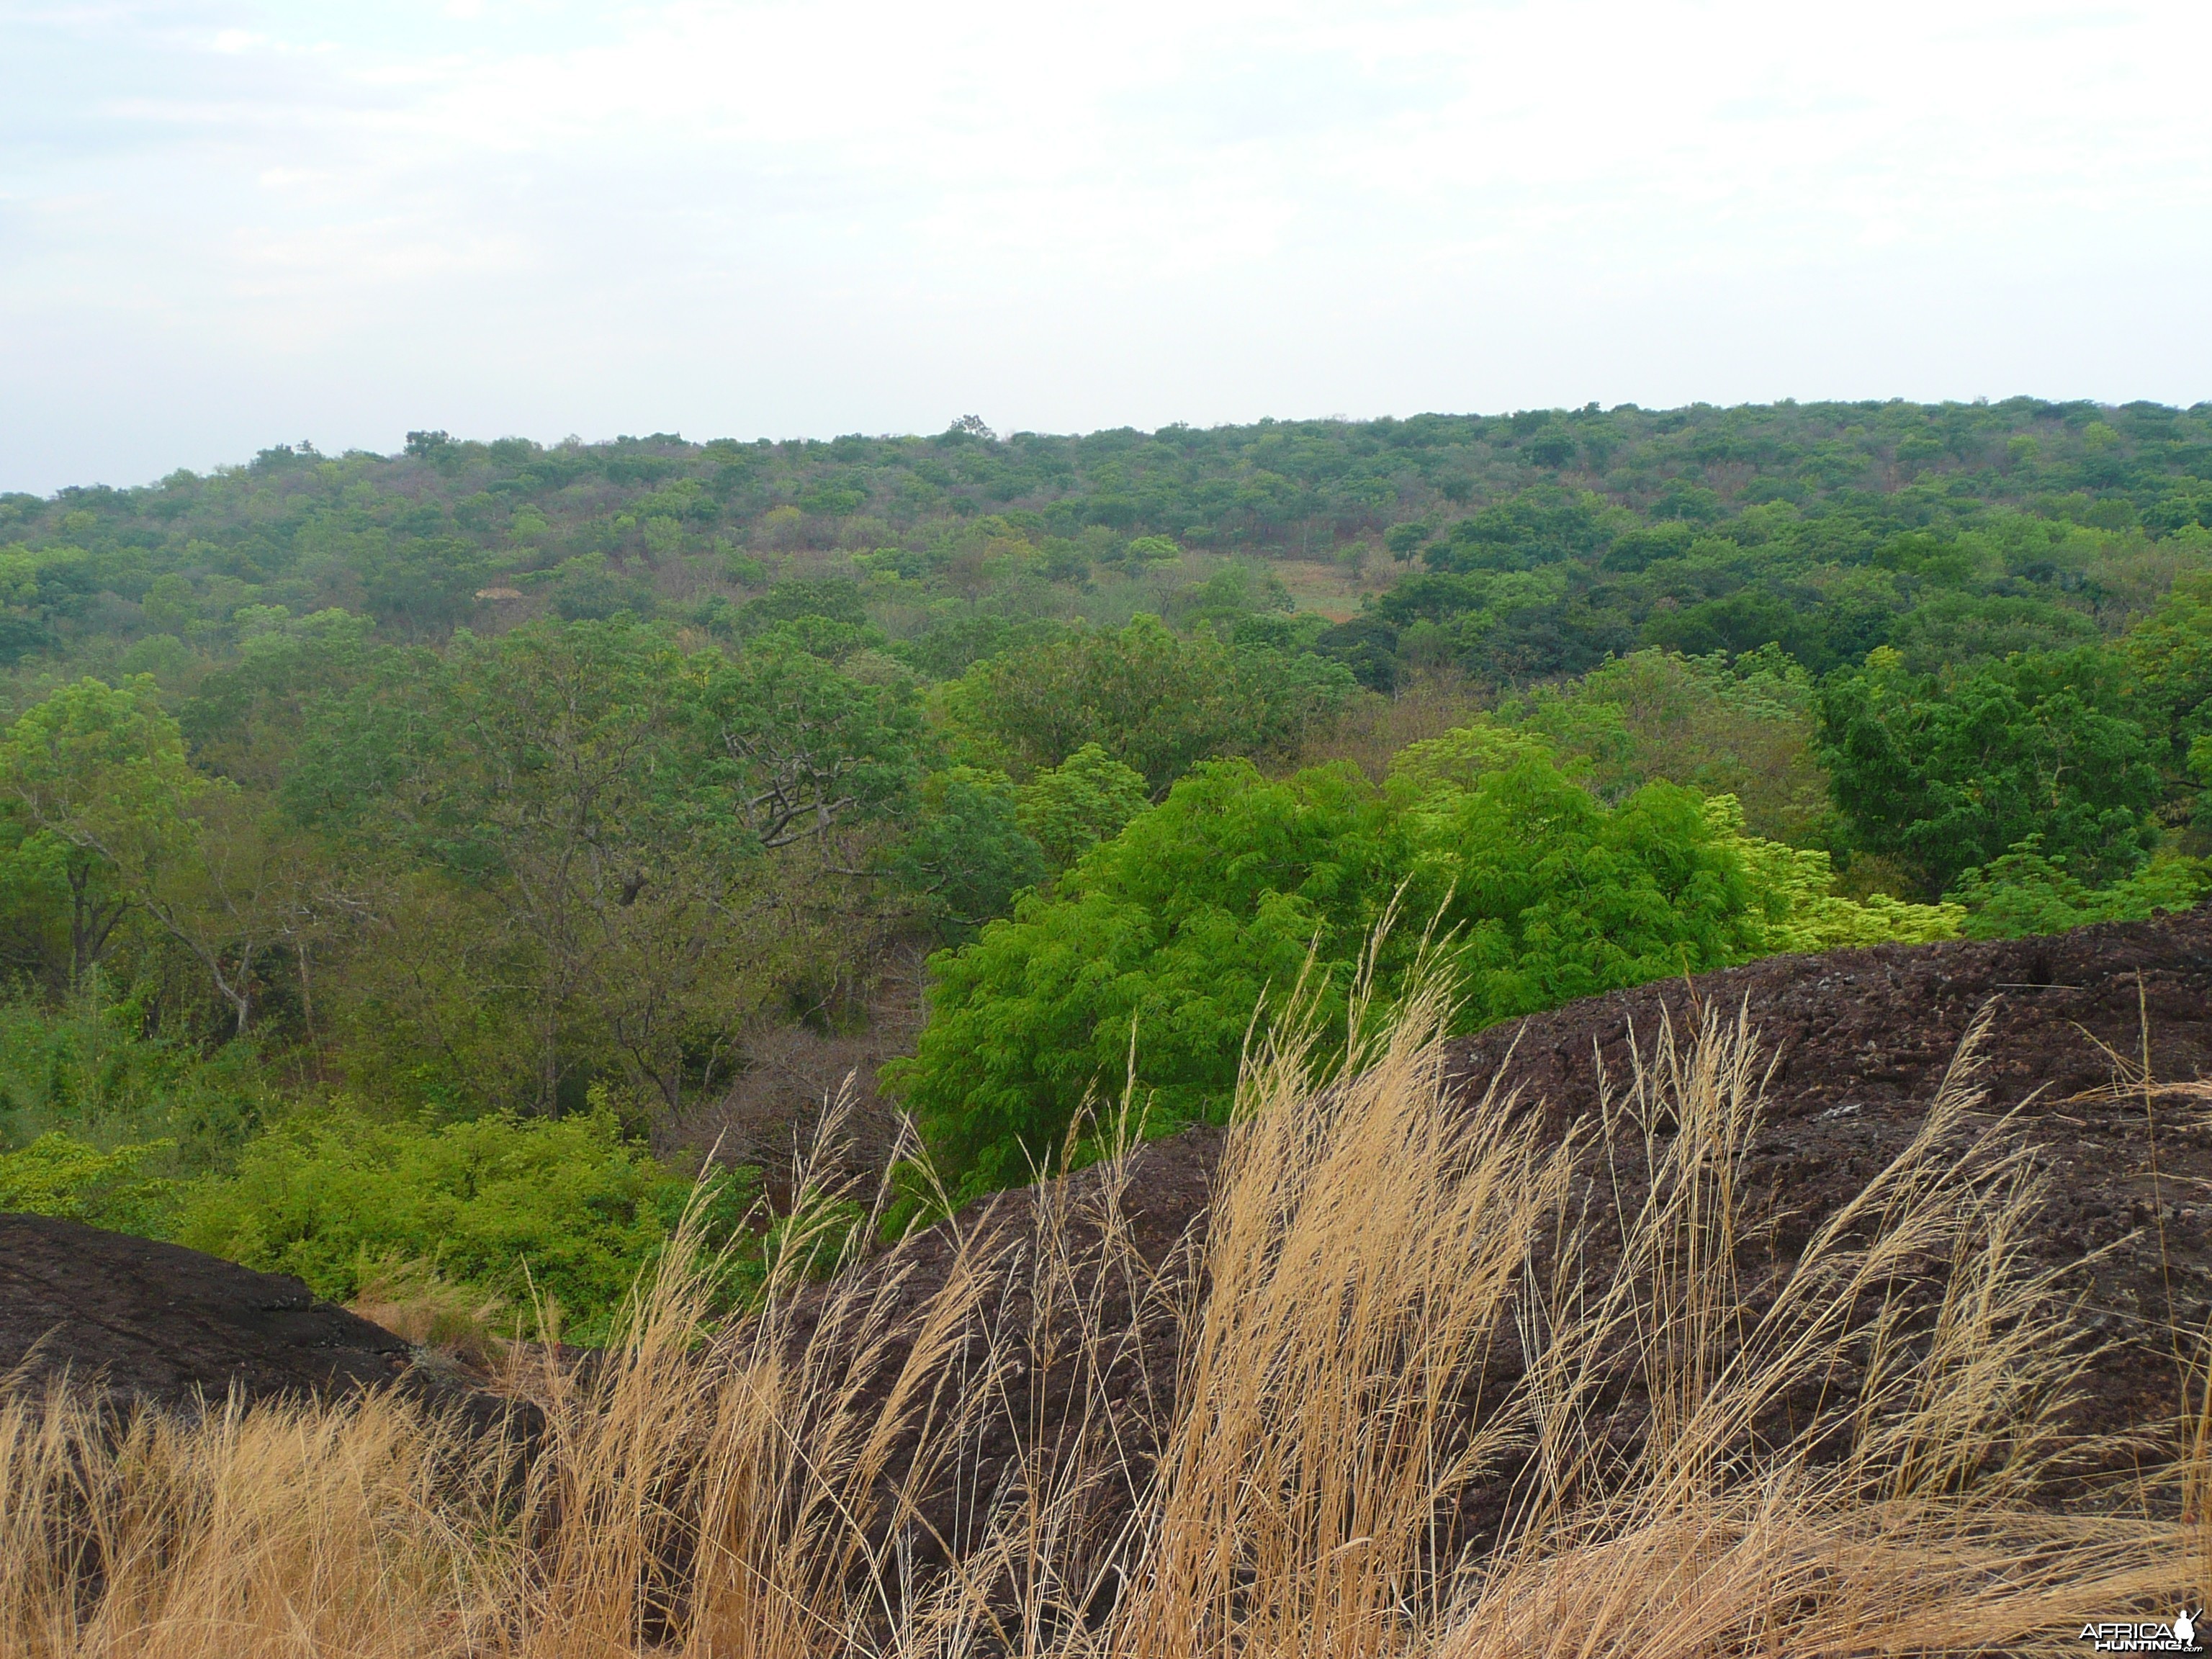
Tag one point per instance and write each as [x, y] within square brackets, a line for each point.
[491, 803]
[1543, 540]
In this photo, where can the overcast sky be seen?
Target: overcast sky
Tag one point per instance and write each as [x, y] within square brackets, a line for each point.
[225, 225]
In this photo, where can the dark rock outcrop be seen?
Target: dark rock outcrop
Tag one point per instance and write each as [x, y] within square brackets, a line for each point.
[1860, 1040]
[160, 1325]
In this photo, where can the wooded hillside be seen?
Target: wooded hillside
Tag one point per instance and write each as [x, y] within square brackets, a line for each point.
[404, 856]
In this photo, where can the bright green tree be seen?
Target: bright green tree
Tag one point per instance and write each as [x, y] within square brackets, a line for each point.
[1157, 948]
[101, 770]
[246, 721]
[2170, 652]
[1070, 808]
[1167, 938]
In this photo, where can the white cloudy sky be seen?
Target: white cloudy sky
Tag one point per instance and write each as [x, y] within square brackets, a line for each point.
[225, 224]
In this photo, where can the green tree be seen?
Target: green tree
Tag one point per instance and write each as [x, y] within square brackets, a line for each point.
[1953, 628]
[39, 588]
[630, 809]
[966, 854]
[101, 770]
[1203, 911]
[1949, 772]
[1157, 703]
[547, 767]
[60, 904]
[96, 1066]
[246, 721]
[796, 747]
[418, 588]
[1167, 936]
[834, 600]
[2170, 652]
[585, 589]
[1543, 526]
[1743, 729]
[1087, 798]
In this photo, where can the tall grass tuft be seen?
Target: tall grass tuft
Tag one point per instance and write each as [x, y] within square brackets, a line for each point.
[1443, 1382]
[291, 1530]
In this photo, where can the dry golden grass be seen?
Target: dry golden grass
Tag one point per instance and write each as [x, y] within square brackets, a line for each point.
[412, 1299]
[1408, 1314]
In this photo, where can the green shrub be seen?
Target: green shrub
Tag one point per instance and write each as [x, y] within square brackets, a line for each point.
[90, 1070]
[563, 1208]
[2024, 892]
[58, 1176]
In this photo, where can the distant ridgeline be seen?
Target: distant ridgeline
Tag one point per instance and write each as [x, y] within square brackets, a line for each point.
[1533, 545]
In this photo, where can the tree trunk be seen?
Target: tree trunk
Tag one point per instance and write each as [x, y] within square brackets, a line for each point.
[91, 924]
